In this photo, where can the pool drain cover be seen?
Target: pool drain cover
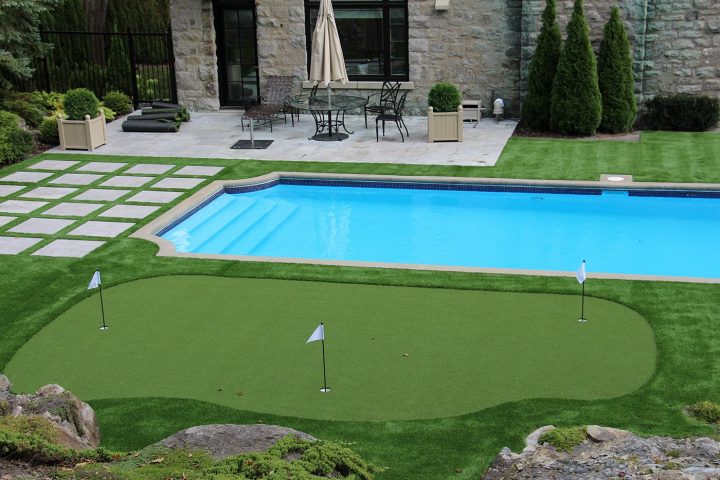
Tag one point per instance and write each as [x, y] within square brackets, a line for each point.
[247, 145]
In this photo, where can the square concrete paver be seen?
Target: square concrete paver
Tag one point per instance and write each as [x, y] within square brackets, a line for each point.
[103, 194]
[73, 209]
[199, 171]
[180, 183]
[13, 245]
[129, 211]
[29, 177]
[41, 225]
[76, 179]
[103, 167]
[68, 248]
[5, 220]
[150, 168]
[101, 229]
[6, 190]
[50, 193]
[126, 181]
[20, 206]
[53, 165]
[150, 196]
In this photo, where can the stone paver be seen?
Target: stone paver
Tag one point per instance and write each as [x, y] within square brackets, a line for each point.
[49, 193]
[179, 183]
[103, 194]
[150, 196]
[20, 206]
[103, 167]
[41, 225]
[129, 211]
[5, 220]
[6, 190]
[53, 165]
[14, 245]
[150, 168]
[73, 209]
[68, 248]
[199, 171]
[126, 181]
[76, 179]
[29, 177]
[101, 229]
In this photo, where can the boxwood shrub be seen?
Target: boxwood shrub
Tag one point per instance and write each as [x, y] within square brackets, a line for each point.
[118, 102]
[49, 131]
[444, 97]
[692, 113]
[80, 102]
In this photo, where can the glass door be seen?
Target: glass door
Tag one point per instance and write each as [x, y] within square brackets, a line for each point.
[237, 53]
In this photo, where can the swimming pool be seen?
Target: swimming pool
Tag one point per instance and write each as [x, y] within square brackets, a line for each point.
[635, 232]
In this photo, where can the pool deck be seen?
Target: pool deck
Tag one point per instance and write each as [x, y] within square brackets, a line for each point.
[210, 135]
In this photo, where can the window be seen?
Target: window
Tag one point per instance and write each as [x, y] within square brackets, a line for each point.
[373, 35]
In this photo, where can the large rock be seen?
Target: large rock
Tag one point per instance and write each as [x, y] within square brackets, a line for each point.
[226, 440]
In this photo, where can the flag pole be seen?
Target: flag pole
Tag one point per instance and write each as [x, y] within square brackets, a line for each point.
[102, 307]
[325, 388]
[582, 301]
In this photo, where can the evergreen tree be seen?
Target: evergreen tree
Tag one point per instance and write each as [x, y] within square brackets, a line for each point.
[536, 109]
[615, 77]
[576, 106]
[119, 70]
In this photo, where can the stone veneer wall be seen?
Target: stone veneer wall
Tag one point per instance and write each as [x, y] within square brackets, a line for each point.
[281, 39]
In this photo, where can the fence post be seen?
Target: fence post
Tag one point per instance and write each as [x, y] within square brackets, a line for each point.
[133, 70]
[171, 64]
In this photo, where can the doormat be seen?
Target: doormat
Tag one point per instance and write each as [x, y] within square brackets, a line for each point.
[247, 145]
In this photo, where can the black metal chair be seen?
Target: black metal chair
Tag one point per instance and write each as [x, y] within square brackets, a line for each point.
[388, 94]
[393, 115]
[301, 97]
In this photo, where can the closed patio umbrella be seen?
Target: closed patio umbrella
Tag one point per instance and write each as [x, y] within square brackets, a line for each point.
[327, 60]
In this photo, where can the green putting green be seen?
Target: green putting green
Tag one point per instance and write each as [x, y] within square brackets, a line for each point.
[392, 352]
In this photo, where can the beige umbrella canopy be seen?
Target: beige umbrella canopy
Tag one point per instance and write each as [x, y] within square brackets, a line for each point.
[327, 61]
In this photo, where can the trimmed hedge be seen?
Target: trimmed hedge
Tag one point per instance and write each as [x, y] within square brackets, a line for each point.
[15, 143]
[682, 113]
[444, 97]
[80, 102]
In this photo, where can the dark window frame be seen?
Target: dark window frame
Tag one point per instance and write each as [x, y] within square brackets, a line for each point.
[385, 5]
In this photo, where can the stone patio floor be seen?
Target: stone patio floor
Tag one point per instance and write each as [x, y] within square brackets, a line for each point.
[210, 135]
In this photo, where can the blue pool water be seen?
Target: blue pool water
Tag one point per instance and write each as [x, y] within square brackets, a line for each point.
[615, 232]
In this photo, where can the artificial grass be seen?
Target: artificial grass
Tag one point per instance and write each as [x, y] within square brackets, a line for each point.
[393, 352]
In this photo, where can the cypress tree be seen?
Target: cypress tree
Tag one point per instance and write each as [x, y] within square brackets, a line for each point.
[119, 72]
[615, 77]
[536, 109]
[576, 106]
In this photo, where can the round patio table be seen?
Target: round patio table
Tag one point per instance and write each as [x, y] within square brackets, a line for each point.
[329, 114]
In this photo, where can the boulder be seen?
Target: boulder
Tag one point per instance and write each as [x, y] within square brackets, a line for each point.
[5, 386]
[604, 434]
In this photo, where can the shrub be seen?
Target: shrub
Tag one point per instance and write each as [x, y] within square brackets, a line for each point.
[108, 113]
[682, 112]
[49, 131]
[32, 448]
[119, 102]
[27, 106]
[53, 101]
[705, 411]
[30, 425]
[576, 104]
[615, 78]
[564, 439]
[543, 67]
[80, 102]
[444, 97]
[15, 143]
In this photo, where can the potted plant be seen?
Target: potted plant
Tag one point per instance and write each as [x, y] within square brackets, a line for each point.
[84, 128]
[445, 115]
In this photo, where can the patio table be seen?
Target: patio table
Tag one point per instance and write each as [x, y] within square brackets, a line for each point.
[322, 107]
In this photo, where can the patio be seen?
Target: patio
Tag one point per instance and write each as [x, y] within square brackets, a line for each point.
[210, 135]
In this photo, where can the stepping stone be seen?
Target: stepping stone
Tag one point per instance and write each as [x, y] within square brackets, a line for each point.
[68, 248]
[20, 206]
[103, 167]
[149, 196]
[101, 229]
[50, 193]
[6, 190]
[101, 194]
[5, 220]
[29, 177]
[150, 168]
[76, 179]
[129, 211]
[73, 209]
[41, 225]
[125, 181]
[181, 183]
[53, 165]
[199, 171]
[13, 245]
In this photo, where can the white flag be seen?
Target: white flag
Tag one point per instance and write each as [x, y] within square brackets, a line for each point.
[95, 280]
[318, 334]
[580, 274]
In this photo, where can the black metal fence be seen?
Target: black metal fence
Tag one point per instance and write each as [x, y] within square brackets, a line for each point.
[141, 65]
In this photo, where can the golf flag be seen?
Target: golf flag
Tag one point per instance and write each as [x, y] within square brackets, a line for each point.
[318, 334]
[95, 280]
[580, 274]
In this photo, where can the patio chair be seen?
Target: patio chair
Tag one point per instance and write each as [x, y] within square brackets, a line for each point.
[301, 97]
[275, 101]
[388, 94]
[395, 114]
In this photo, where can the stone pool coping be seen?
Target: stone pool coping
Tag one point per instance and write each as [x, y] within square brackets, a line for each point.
[167, 248]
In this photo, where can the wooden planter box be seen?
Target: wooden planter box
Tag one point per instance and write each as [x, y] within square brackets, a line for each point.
[85, 134]
[445, 126]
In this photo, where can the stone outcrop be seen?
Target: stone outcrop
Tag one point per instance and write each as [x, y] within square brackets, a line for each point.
[225, 440]
[611, 453]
